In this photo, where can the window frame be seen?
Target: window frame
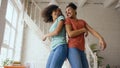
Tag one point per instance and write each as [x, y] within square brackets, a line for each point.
[13, 3]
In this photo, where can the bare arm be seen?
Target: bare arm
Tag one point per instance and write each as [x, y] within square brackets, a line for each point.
[55, 32]
[73, 33]
[96, 34]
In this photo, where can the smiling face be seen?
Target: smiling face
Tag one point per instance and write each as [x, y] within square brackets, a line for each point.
[70, 12]
[56, 13]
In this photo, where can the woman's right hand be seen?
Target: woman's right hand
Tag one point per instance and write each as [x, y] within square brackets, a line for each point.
[102, 44]
[85, 31]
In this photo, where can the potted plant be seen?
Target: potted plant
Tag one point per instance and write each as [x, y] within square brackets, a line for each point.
[97, 51]
[107, 66]
[7, 62]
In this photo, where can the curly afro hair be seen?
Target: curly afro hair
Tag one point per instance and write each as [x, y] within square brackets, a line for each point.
[47, 12]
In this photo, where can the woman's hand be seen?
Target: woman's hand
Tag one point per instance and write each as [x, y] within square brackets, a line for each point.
[102, 44]
[86, 34]
[85, 31]
[44, 37]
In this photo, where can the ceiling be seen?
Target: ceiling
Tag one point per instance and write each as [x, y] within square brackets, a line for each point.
[69, 0]
[81, 3]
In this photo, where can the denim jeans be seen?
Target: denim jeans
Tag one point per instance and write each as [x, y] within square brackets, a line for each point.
[57, 57]
[77, 58]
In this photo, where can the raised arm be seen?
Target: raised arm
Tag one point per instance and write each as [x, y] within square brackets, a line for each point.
[97, 35]
[73, 33]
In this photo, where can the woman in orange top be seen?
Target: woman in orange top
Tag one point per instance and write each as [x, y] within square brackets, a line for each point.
[76, 29]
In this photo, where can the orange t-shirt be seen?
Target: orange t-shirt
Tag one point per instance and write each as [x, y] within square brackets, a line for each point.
[78, 41]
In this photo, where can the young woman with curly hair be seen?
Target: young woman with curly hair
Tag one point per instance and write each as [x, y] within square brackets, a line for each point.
[57, 33]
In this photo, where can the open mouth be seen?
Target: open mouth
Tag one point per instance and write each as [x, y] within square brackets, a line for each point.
[68, 14]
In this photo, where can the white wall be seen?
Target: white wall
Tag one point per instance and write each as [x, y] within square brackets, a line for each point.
[107, 22]
[34, 51]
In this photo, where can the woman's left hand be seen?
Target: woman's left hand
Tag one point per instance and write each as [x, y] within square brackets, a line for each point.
[44, 37]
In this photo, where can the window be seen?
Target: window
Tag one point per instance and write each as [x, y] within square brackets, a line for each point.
[0, 2]
[10, 47]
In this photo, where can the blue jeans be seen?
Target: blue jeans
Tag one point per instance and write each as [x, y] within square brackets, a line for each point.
[57, 57]
[77, 58]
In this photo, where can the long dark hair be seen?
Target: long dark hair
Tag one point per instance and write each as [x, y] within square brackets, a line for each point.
[47, 13]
